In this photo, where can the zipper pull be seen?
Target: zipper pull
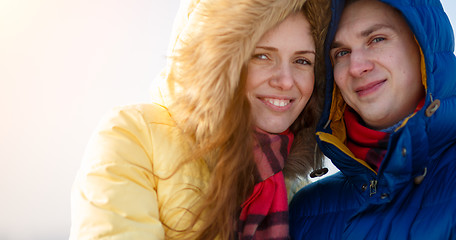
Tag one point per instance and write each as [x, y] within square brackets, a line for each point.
[373, 187]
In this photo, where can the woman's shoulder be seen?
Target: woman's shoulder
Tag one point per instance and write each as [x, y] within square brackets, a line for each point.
[152, 113]
[139, 128]
[139, 135]
[150, 124]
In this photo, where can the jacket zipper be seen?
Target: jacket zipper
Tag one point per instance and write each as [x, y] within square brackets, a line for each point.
[373, 187]
[373, 182]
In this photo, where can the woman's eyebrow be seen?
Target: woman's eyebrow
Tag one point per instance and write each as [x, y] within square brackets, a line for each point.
[305, 52]
[276, 50]
[268, 48]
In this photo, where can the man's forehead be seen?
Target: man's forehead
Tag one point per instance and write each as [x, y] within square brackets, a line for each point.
[364, 17]
[366, 32]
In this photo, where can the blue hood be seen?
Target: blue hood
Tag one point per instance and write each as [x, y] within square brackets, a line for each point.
[434, 34]
[412, 195]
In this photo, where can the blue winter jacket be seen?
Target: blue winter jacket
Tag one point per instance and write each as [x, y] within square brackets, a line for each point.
[413, 195]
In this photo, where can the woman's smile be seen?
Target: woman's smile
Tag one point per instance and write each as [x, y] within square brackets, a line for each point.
[277, 103]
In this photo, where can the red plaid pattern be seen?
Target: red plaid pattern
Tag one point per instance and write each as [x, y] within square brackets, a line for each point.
[265, 214]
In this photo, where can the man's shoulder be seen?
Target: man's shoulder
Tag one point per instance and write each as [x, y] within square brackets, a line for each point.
[316, 206]
[439, 179]
[333, 193]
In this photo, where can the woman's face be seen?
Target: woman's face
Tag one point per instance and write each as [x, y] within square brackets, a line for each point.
[280, 77]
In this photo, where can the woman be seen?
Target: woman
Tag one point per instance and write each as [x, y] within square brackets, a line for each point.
[208, 155]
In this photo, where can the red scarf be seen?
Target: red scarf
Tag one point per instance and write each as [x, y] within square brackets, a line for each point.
[264, 214]
[367, 144]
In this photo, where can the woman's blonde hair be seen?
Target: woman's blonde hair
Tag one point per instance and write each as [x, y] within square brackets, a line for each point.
[226, 141]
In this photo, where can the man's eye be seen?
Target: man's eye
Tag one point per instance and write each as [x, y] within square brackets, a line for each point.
[378, 39]
[341, 53]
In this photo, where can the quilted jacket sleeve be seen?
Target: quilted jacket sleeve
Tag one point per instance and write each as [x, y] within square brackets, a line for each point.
[114, 195]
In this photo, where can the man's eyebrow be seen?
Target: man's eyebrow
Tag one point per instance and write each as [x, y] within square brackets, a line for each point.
[365, 33]
[374, 28]
[335, 44]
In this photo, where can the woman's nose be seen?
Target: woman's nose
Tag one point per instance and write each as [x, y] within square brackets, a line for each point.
[282, 77]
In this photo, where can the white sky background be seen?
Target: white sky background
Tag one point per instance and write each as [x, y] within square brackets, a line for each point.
[63, 64]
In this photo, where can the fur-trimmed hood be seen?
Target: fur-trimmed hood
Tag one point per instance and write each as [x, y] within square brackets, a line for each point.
[211, 44]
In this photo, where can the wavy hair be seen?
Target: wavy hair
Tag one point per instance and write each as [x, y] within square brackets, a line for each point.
[226, 141]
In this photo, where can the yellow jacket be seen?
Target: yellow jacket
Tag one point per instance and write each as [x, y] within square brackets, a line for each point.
[126, 188]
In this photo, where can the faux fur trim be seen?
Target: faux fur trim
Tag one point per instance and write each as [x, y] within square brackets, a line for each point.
[213, 41]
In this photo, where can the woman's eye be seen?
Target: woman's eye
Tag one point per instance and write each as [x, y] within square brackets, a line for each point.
[260, 56]
[303, 61]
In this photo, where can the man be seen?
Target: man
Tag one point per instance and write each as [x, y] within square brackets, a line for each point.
[389, 125]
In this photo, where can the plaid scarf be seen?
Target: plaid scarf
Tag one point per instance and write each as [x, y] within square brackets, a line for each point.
[367, 144]
[264, 214]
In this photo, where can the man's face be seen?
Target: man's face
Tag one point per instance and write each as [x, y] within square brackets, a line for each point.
[377, 63]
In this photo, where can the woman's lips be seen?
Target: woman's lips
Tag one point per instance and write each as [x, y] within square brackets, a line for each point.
[369, 88]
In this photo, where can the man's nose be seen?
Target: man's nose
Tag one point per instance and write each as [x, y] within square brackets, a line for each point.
[360, 63]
